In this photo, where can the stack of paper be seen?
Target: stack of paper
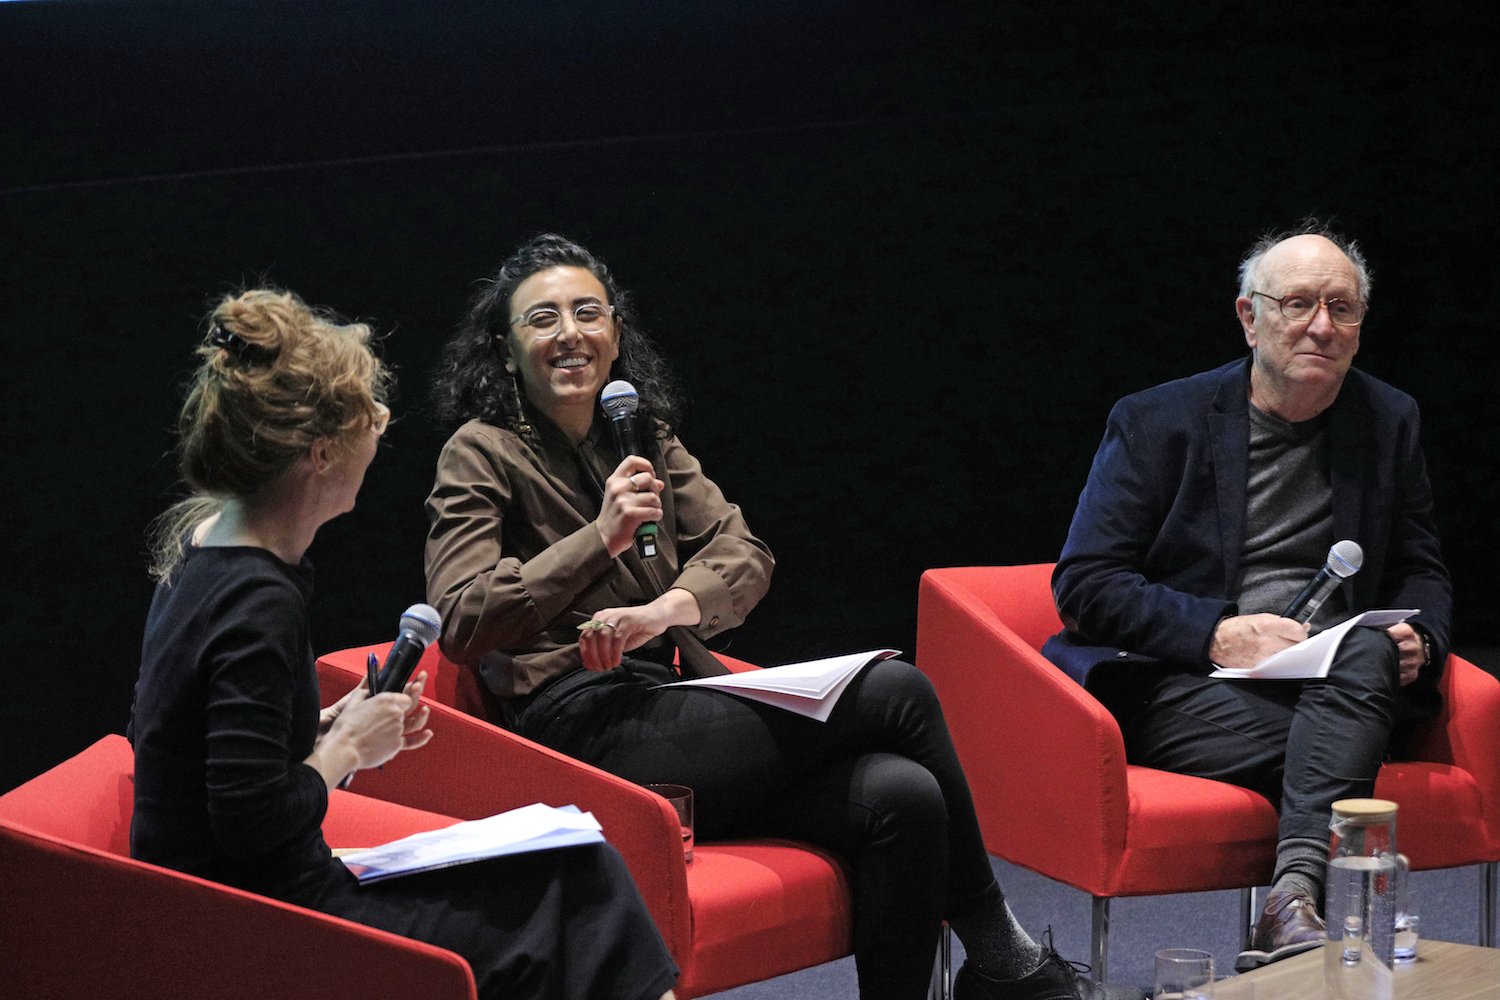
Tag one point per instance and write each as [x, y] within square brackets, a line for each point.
[531, 828]
[811, 688]
[1311, 657]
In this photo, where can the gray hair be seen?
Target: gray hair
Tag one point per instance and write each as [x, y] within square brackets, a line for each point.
[1250, 277]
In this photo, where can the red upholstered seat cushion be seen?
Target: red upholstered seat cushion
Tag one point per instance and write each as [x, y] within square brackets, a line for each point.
[755, 898]
[1187, 832]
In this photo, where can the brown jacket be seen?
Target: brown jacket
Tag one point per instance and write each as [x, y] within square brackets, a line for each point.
[514, 563]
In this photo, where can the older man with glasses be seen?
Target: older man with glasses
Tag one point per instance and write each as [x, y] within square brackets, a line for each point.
[1210, 504]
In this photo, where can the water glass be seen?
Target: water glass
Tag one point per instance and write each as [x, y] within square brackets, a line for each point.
[681, 798]
[1184, 974]
[1407, 921]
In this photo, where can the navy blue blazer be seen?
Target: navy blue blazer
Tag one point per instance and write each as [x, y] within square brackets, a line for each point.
[1152, 560]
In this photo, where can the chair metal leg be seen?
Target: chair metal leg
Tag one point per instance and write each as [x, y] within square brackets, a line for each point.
[942, 968]
[1248, 916]
[1489, 890]
[1099, 939]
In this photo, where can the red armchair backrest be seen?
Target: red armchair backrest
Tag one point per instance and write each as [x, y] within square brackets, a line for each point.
[1020, 596]
[447, 682]
[458, 687]
[87, 799]
[1470, 697]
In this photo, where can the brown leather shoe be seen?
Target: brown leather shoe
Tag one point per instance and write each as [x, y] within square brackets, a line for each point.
[1288, 925]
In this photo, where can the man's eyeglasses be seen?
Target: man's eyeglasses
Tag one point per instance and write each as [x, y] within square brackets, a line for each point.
[588, 317]
[1300, 308]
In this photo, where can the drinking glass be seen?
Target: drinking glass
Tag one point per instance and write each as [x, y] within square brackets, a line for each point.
[681, 797]
[1407, 921]
[1184, 974]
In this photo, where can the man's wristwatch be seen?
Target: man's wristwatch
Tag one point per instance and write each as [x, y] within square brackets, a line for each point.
[1426, 646]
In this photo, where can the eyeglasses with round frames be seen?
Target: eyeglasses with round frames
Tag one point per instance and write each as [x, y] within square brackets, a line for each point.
[546, 322]
[1301, 308]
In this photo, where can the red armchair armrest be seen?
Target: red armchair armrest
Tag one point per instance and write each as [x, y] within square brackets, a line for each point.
[1065, 757]
[81, 922]
[1465, 735]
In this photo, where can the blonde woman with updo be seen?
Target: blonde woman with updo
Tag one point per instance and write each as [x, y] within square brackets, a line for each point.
[234, 762]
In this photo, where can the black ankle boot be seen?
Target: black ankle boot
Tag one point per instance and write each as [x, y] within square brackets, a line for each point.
[1055, 979]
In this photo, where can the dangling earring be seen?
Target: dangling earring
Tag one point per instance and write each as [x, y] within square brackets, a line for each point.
[522, 425]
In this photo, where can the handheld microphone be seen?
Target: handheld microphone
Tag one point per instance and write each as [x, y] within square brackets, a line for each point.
[620, 401]
[1344, 560]
[420, 625]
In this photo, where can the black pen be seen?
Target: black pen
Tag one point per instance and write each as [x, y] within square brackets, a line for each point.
[371, 669]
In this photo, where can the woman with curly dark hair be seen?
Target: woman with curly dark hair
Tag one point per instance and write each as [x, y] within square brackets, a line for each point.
[532, 523]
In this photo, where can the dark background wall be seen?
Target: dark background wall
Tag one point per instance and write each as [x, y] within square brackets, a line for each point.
[903, 257]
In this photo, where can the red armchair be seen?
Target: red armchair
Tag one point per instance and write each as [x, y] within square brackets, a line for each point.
[80, 918]
[1054, 793]
[741, 912]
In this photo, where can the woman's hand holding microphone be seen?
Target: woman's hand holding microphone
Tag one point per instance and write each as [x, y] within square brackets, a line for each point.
[359, 732]
[632, 497]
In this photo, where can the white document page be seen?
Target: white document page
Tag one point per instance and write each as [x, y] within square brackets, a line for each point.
[811, 688]
[1311, 657]
[535, 827]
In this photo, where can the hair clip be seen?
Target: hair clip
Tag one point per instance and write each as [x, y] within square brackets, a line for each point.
[239, 346]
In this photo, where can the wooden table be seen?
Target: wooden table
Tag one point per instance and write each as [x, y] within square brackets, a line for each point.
[1442, 971]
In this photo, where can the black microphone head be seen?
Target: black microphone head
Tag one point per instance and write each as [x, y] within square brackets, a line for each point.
[1345, 559]
[619, 399]
[423, 622]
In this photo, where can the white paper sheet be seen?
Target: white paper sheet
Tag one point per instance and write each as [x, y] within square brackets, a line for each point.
[535, 827]
[1312, 657]
[810, 688]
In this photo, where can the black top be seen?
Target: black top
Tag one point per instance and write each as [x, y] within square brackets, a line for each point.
[226, 710]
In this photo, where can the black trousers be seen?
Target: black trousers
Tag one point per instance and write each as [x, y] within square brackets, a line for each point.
[551, 925]
[879, 783]
[1302, 744]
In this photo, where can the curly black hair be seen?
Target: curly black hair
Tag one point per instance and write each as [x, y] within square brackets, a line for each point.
[471, 382]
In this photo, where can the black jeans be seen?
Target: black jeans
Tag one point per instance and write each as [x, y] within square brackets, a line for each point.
[879, 783]
[555, 925]
[1302, 744]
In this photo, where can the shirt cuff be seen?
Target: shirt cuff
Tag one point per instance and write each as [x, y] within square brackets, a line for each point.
[715, 602]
